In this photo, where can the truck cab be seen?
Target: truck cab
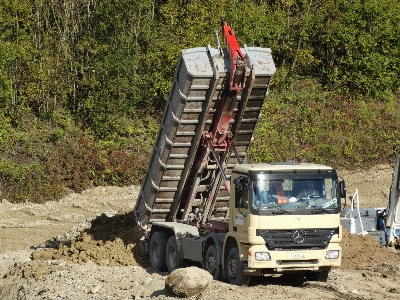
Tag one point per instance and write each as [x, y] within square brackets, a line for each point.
[279, 232]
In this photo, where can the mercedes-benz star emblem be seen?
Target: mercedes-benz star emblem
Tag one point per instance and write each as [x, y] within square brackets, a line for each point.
[298, 236]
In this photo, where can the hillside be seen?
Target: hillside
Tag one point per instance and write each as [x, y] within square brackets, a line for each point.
[84, 85]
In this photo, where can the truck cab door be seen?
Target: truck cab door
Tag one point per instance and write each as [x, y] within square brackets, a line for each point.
[239, 214]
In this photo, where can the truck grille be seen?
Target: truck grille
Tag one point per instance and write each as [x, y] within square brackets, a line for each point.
[316, 239]
[297, 262]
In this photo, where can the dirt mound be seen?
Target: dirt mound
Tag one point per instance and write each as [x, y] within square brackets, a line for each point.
[110, 241]
[360, 252]
[35, 269]
[114, 241]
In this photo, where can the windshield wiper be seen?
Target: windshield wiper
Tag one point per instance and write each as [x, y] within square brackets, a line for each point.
[280, 211]
[317, 209]
[275, 209]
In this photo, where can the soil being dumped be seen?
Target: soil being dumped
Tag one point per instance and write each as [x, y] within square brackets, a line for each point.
[110, 241]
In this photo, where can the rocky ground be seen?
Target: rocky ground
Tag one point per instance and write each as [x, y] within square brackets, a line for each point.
[86, 247]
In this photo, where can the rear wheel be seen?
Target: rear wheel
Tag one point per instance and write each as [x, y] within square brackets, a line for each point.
[174, 259]
[235, 269]
[212, 264]
[158, 245]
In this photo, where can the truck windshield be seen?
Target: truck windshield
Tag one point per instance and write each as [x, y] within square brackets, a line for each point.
[315, 195]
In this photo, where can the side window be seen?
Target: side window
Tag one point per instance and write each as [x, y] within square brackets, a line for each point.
[242, 198]
[241, 192]
[245, 202]
[238, 197]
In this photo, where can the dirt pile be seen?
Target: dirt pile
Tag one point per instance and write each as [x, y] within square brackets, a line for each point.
[35, 269]
[110, 241]
[114, 241]
[360, 252]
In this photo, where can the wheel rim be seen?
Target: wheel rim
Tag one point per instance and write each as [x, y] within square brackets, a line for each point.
[233, 267]
[172, 256]
[156, 252]
[211, 265]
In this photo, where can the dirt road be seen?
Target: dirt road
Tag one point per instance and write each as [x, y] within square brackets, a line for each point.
[103, 261]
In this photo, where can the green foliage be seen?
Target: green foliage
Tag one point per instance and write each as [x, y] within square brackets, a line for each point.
[83, 85]
[357, 45]
[79, 163]
[303, 120]
[22, 183]
[45, 165]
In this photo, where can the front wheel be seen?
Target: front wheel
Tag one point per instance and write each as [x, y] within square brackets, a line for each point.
[158, 245]
[235, 269]
[174, 259]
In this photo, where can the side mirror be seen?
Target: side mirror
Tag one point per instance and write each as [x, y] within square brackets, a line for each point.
[342, 189]
[246, 184]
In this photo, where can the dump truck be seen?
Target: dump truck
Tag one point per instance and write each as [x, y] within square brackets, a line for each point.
[383, 223]
[201, 203]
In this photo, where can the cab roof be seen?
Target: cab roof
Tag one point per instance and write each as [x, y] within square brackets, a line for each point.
[281, 166]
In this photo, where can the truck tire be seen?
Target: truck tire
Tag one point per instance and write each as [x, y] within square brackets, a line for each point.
[235, 269]
[318, 276]
[158, 246]
[174, 259]
[212, 264]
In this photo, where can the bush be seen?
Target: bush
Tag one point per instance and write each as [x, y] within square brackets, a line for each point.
[28, 183]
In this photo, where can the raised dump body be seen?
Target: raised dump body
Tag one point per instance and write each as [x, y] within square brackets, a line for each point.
[276, 218]
[176, 186]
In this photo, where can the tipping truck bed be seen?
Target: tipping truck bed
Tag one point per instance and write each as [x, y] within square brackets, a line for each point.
[178, 185]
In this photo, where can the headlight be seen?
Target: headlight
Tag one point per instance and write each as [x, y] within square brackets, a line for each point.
[332, 254]
[262, 256]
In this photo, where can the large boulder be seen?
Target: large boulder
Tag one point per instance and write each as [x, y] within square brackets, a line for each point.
[187, 282]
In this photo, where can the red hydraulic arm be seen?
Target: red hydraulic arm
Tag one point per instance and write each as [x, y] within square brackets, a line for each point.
[238, 60]
[218, 143]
